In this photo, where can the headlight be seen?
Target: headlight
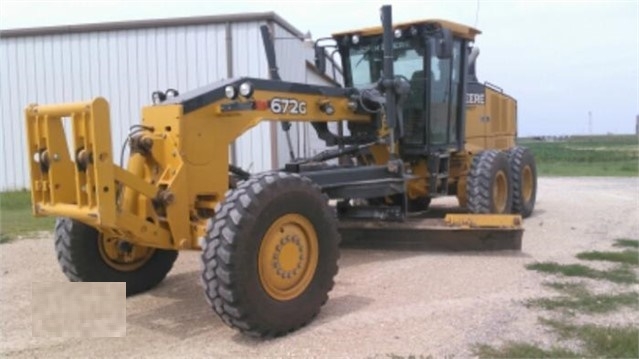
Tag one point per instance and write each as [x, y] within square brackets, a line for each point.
[355, 39]
[230, 93]
[398, 33]
[246, 89]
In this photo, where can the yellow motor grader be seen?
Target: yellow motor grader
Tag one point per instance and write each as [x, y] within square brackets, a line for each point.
[420, 126]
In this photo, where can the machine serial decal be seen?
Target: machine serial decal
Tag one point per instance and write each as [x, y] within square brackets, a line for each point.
[288, 106]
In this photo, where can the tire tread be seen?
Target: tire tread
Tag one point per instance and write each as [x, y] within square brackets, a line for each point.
[480, 181]
[221, 287]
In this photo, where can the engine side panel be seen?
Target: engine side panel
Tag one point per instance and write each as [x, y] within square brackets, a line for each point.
[491, 118]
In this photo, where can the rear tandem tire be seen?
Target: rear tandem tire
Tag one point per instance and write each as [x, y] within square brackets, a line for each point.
[524, 178]
[77, 246]
[270, 254]
[489, 184]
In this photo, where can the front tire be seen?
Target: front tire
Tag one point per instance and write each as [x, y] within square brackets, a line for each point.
[85, 255]
[270, 254]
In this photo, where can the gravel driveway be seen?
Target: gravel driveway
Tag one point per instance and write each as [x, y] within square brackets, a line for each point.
[384, 301]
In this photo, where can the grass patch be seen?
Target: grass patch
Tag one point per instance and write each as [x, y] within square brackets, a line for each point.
[16, 218]
[574, 289]
[621, 274]
[4, 238]
[600, 341]
[630, 243]
[597, 341]
[578, 298]
[522, 350]
[589, 302]
[612, 155]
[628, 256]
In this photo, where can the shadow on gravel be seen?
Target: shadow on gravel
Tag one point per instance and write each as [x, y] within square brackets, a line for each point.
[186, 316]
[358, 256]
[354, 257]
[341, 306]
[333, 309]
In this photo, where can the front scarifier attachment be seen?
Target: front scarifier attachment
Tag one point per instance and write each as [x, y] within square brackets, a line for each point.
[83, 189]
[94, 239]
[82, 182]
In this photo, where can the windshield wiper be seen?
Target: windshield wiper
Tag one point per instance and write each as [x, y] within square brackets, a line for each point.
[365, 56]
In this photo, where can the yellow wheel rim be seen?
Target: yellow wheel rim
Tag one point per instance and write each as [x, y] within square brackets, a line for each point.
[124, 258]
[527, 183]
[500, 192]
[288, 257]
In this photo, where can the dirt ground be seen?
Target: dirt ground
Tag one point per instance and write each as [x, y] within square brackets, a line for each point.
[384, 301]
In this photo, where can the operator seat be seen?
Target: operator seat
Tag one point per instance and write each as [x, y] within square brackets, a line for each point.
[414, 122]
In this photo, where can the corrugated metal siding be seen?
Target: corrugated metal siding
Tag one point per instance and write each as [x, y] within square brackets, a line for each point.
[292, 56]
[123, 66]
[126, 65]
[254, 147]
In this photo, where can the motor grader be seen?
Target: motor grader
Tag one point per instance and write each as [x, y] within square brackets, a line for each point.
[420, 126]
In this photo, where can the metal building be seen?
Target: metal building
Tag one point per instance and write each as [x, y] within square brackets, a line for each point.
[126, 61]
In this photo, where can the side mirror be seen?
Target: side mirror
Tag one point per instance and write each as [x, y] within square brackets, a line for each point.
[443, 44]
[320, 58]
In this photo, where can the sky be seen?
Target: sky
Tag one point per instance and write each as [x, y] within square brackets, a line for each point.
[561, 60]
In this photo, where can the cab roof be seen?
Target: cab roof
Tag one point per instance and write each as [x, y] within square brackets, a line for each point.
[459, 30]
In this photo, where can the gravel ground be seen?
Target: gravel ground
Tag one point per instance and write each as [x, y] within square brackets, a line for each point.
[384, 301]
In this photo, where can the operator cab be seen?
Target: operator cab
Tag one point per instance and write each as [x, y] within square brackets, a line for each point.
[432, 56]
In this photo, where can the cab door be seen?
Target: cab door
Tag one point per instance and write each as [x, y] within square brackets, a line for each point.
[445, 99]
